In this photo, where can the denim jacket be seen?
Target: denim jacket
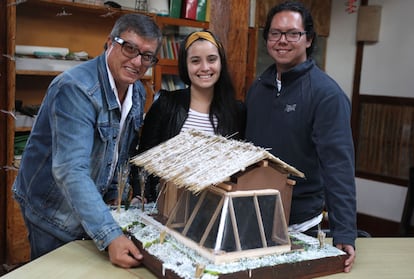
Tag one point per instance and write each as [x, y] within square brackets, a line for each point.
[64, 177]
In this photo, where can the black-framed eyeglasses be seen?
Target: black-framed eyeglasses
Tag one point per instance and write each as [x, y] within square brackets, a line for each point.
[291, 36]
[131, 51]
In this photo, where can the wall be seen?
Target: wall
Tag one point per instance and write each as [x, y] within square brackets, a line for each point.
[391, 59]
[387, 69]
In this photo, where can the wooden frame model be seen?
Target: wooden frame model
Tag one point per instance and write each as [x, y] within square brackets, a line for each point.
[210, 174]
[230, 231]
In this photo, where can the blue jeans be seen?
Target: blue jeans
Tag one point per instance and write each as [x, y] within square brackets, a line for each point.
[41, 241]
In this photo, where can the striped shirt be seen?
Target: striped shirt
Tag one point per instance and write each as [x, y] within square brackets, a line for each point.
[199, 121]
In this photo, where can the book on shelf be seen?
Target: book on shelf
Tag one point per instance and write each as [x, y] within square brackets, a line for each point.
[172, 82]
[189, 9]
[171, 54]
[166, 49]
[194, 9]
[163, 49]
[208, 11]
[175, 47]
[175, 8]
[201, 10]
[171, 46]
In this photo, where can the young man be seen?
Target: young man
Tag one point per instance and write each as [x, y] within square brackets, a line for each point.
[303, 116]
[86, 128]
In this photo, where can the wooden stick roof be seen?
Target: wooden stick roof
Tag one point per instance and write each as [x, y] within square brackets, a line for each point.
[196, 160]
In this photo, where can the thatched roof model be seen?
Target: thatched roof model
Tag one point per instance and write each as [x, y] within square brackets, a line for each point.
[196, 160]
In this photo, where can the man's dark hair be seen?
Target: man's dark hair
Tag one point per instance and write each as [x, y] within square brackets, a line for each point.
[306, 19]
[142, 25]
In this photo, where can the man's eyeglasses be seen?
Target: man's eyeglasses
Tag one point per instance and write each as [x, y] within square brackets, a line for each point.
[291, 36]
[131, 51]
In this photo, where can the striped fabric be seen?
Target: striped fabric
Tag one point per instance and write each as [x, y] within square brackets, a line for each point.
[199, 121]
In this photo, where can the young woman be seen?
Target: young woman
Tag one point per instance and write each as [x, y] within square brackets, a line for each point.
[208, 103]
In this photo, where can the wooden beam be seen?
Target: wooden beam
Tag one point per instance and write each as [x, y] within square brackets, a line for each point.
[229, 20]
[3, 127]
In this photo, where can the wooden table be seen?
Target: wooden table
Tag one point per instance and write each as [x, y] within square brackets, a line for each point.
[376, 258]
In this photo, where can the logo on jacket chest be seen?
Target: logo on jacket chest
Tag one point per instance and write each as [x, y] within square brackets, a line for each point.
[290, 108]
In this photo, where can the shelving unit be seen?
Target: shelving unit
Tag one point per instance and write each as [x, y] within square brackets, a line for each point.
[170, 66]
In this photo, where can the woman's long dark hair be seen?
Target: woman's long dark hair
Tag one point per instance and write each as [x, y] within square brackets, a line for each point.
[224, 104]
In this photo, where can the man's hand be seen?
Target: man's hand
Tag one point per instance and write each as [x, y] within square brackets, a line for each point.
[123, 252]
[349, 249]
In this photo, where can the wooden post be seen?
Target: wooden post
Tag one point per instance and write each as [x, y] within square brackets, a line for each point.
[229, 20]
[3, 127]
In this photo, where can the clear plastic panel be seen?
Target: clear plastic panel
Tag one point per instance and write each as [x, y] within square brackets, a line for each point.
[229, 222]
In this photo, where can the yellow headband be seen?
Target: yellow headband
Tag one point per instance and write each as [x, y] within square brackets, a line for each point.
[200, 35]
